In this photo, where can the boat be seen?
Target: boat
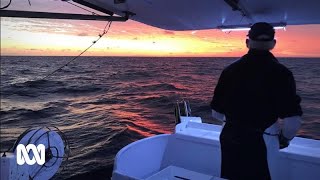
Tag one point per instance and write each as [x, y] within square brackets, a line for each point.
[192, 152]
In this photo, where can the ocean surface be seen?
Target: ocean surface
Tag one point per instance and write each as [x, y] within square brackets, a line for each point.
[105, 103]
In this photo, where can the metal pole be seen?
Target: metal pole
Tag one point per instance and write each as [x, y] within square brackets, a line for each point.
[47, 15]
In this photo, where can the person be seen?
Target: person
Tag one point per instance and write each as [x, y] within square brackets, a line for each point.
[250, 96]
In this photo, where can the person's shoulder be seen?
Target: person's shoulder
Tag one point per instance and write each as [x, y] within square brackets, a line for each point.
[280, 68]
[236, 64]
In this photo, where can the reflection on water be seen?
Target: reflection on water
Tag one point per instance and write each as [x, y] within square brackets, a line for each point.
[103, 104]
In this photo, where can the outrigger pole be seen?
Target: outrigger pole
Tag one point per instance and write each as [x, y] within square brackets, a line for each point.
[48, 15]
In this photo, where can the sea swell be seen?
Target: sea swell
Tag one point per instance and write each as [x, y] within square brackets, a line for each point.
[105, 103]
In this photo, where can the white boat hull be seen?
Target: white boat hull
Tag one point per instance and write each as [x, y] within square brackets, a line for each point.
[195, 148]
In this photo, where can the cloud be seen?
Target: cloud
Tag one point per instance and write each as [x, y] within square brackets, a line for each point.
[83, 34]
[229, 46]
[35, 50]
[51, 26]
[214, 42]
[168, 32]
[65, 50]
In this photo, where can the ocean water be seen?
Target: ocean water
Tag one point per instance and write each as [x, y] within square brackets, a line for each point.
[105, 103]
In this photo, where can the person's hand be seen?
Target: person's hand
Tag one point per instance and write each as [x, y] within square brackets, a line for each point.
[283, 141]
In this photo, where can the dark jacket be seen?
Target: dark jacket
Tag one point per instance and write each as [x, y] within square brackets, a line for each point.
[255, 91]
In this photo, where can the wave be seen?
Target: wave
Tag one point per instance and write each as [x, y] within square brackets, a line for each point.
[162, 87]
[77, 90]
[140, 131]
[157, 99]
[46, 87]
[106, 101]
[25, 71]
[42, 83]
[30, 88]
[29, 114]
[132, 75]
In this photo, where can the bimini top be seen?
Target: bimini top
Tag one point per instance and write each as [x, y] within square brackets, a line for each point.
[211, 14]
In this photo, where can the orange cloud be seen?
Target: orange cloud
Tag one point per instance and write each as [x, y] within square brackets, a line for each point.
[53, 37]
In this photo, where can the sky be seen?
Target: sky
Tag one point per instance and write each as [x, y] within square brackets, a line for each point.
[35, 37]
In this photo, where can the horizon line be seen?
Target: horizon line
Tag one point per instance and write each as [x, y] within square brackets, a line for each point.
[309, 57]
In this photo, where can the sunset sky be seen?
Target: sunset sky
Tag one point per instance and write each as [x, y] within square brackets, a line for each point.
[69, 37]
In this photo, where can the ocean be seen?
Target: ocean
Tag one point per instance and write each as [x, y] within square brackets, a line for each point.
[105, 103]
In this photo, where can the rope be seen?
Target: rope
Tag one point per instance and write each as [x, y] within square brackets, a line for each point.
[105, 31]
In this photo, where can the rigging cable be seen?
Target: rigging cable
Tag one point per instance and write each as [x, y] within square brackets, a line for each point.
[105, 31]
[93, 13]
[6, 5]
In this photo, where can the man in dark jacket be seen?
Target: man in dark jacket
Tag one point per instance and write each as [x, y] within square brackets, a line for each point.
[251, 94]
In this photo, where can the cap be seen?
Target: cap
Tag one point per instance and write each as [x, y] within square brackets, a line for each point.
[261, 31]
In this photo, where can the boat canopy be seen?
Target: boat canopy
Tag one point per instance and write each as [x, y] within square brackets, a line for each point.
[181, 15]
[211, 14]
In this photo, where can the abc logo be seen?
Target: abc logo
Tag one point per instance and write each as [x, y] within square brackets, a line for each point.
[24, 151]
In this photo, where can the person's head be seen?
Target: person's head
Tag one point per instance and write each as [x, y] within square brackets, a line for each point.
[261, 37]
